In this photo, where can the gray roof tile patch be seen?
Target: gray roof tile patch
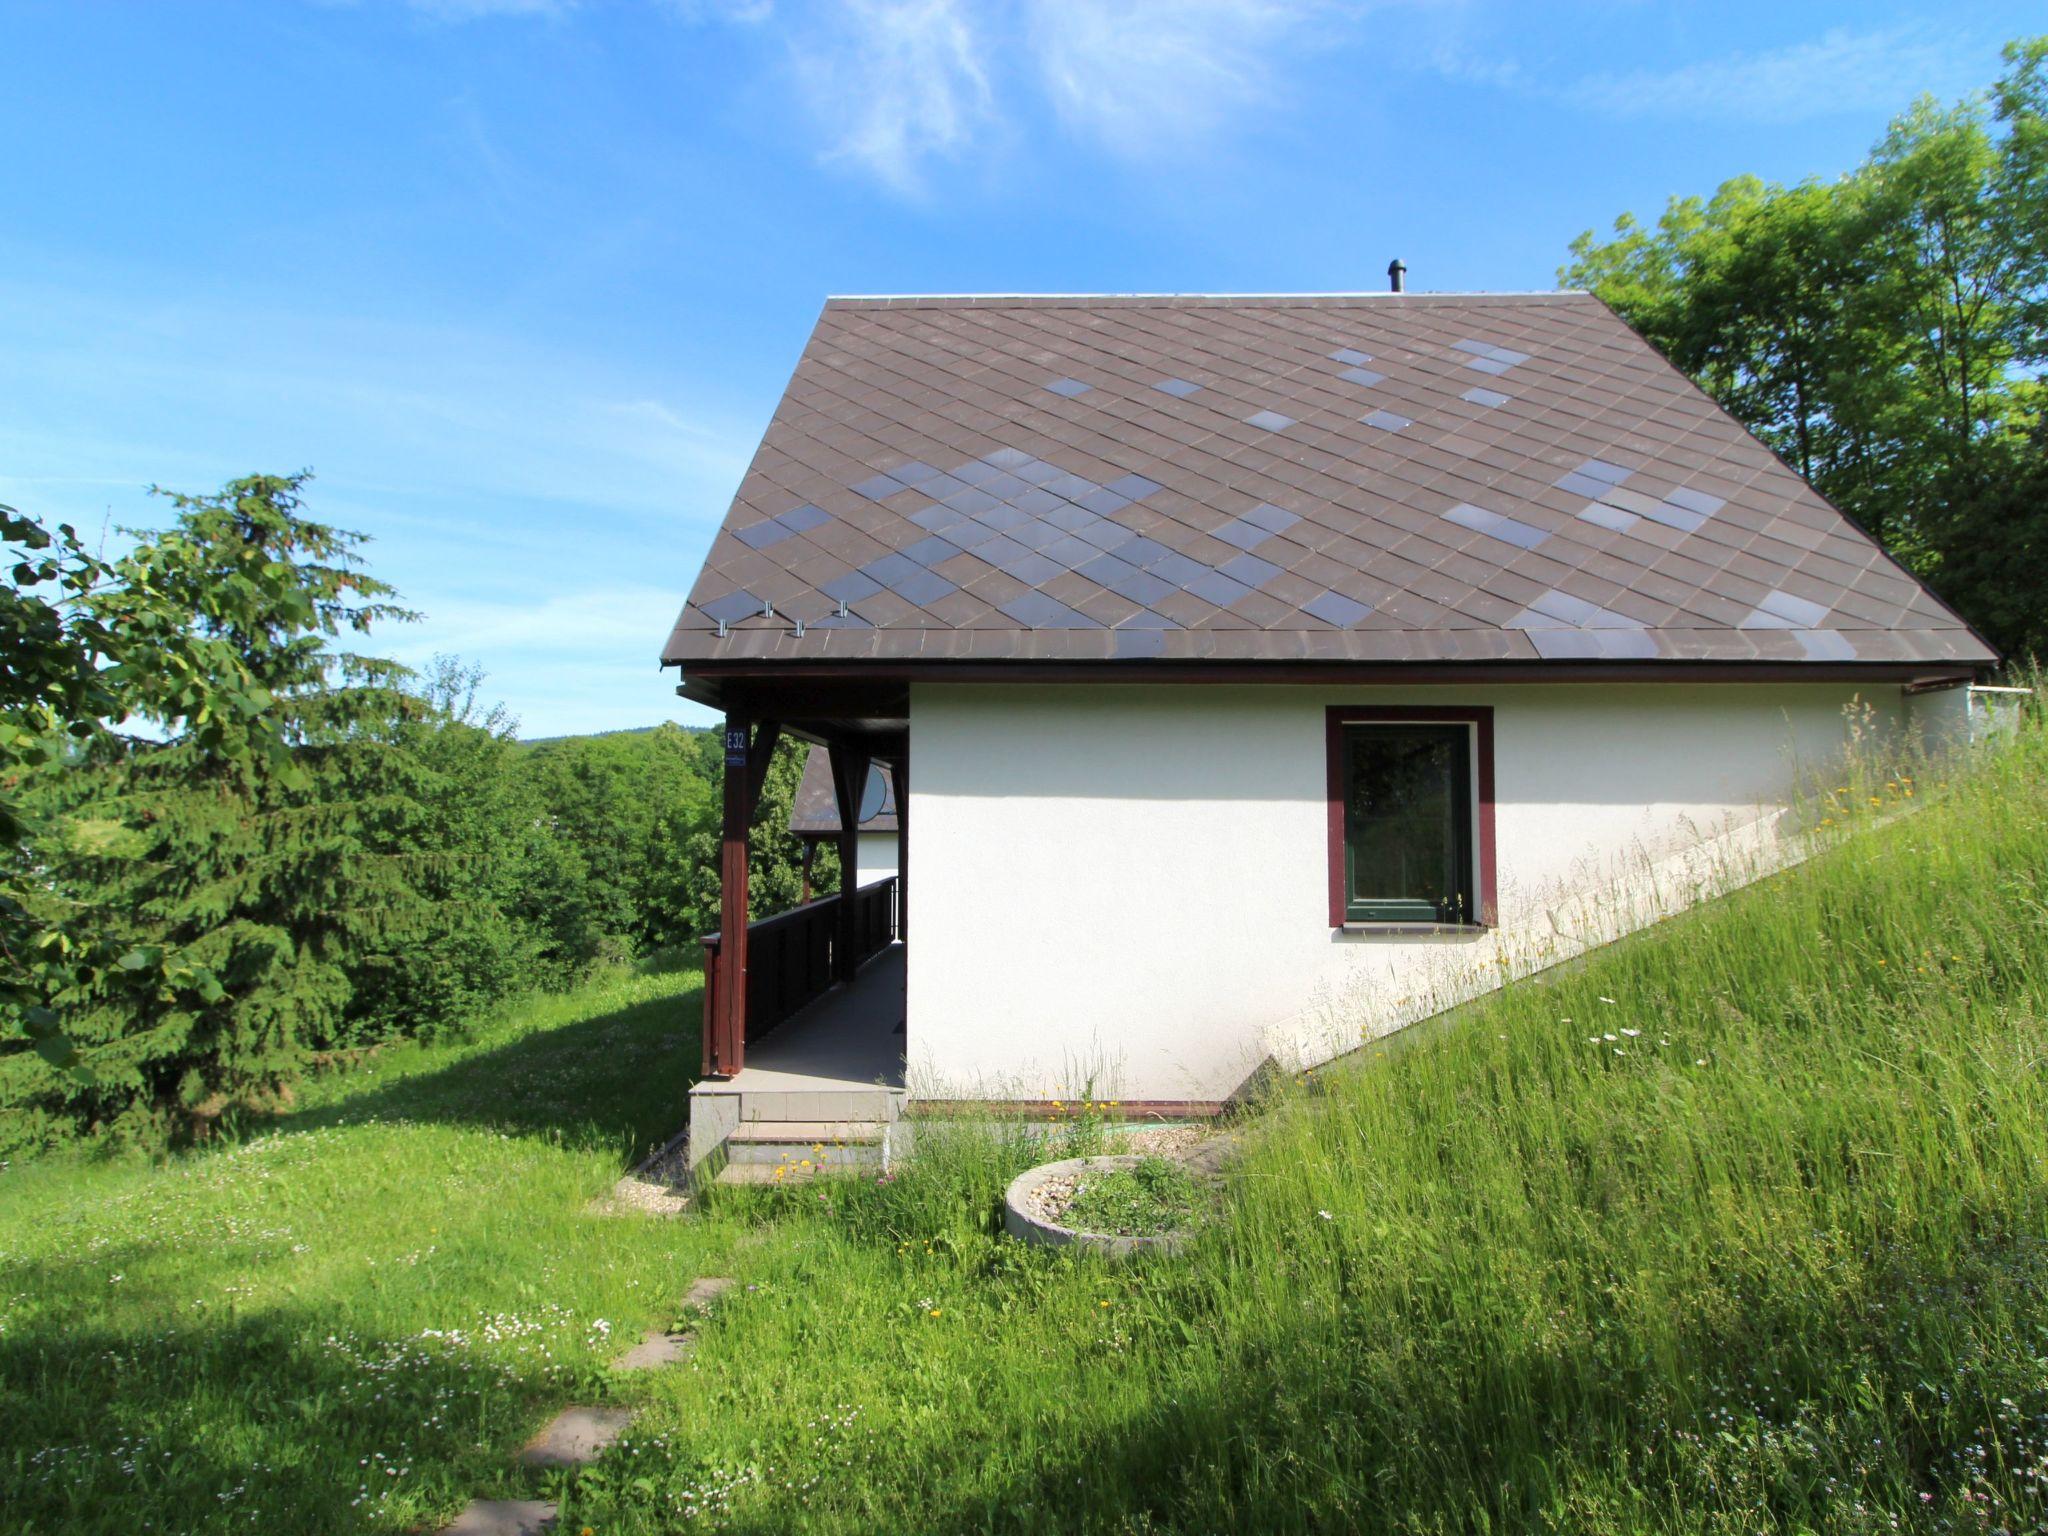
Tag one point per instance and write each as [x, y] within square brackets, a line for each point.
[890, 569]
[1142, 551]
[1609, 517]
[1242, 533]
[851, 587]
[1363, 376]
[1003, 518]
[1135, 643]
[923, 588]
[761, 535]
[1487, 364]
[1335, 608]
[932, 550]
[1479, 394]
[1271, 518]
[1351, 356]
[1103, 501]
[1005, 458]
[1583, 485]
[1132, 487]
[971, 499]
[1566, 644]
[732, 607]
[1107, 535]
[1272, 421]
[1180, 389]
[1000, 551]
[1494, 525]
[1069, 388]
[806, 517]
[1249, 569]
[1673, 517]
[1139, 586]
[916, 472]
[1387, 421]
[1633, 644]
[1601, 470]
[1173, 566]
[1034, 610]
[1826, 645]
[1802, 613]
[1696, 501]
[1071, 550]
[876, 487]
[1033, 568]
[1107, 571]
[1215, 587]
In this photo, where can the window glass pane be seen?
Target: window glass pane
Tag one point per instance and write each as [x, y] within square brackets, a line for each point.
[1407, 816]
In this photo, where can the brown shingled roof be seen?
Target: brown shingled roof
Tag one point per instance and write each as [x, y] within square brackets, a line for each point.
[1362, 478]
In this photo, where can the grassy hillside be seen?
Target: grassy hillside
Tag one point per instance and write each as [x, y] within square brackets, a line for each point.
[1736, 1226]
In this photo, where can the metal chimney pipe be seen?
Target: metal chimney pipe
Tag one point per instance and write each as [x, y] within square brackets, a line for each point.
[1397, 275]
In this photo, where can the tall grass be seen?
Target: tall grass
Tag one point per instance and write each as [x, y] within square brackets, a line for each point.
[1768, 1259]
[1736, 1225]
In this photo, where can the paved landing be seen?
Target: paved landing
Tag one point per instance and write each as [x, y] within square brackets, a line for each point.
[655, 1349]
[503, 1517]
[575, 1436]
[704, 1292]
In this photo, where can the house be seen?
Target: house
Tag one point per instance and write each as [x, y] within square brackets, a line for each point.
[814, 817]
[1275, 670]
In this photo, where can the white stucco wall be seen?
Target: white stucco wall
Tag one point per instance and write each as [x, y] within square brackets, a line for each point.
[1129, 885]
[875, 856]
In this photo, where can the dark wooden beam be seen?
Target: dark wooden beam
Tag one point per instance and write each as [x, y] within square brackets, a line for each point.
[850, 763]
[759, 756]
[902, 767]
[729, 1017]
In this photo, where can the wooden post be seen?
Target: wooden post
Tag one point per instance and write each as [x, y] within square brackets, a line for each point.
[902, 772]
[729, 1026]
[849, 779]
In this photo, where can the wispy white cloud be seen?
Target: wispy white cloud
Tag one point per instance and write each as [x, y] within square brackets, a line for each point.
[1145, 75]
[896, 83]
[1841, 71]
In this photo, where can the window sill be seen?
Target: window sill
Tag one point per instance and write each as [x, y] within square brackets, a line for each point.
[1398, 930]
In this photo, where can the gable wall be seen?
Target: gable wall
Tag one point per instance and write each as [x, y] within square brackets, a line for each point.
[1129, 885]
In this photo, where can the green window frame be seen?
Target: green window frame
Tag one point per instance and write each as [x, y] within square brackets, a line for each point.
[1408, 822]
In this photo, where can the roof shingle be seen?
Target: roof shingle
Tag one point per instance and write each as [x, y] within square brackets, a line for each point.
[1051, 478]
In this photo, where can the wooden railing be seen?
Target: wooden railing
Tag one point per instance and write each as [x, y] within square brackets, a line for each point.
[790, 957]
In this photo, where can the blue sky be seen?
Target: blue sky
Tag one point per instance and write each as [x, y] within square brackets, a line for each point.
[522, 280]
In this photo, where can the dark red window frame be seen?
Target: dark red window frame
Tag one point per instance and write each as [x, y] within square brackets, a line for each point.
[1480, 718]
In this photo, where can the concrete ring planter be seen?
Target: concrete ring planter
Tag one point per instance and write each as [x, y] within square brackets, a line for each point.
[1021, 1223]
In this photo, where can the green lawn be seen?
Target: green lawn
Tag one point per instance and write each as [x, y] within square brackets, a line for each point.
[1771, 1257]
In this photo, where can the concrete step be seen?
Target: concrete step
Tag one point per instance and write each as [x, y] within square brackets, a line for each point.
[787, 1173]
[820, 1104]
[793, 1152]
[810, 1132]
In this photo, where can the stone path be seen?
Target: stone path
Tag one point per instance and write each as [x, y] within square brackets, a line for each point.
[578, 1435]
[503, 1517]
[575, 1436]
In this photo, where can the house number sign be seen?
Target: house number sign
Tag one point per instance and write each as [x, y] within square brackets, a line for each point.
[736, 747]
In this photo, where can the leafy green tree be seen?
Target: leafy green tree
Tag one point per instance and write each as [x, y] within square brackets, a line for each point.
[1881, 332]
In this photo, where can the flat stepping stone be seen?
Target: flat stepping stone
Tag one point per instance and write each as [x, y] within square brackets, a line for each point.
[704, 1292]
[503, 1517]
[656, 1348]
[575, 1436]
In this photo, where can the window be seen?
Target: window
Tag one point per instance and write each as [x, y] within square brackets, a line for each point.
[1411, 816]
